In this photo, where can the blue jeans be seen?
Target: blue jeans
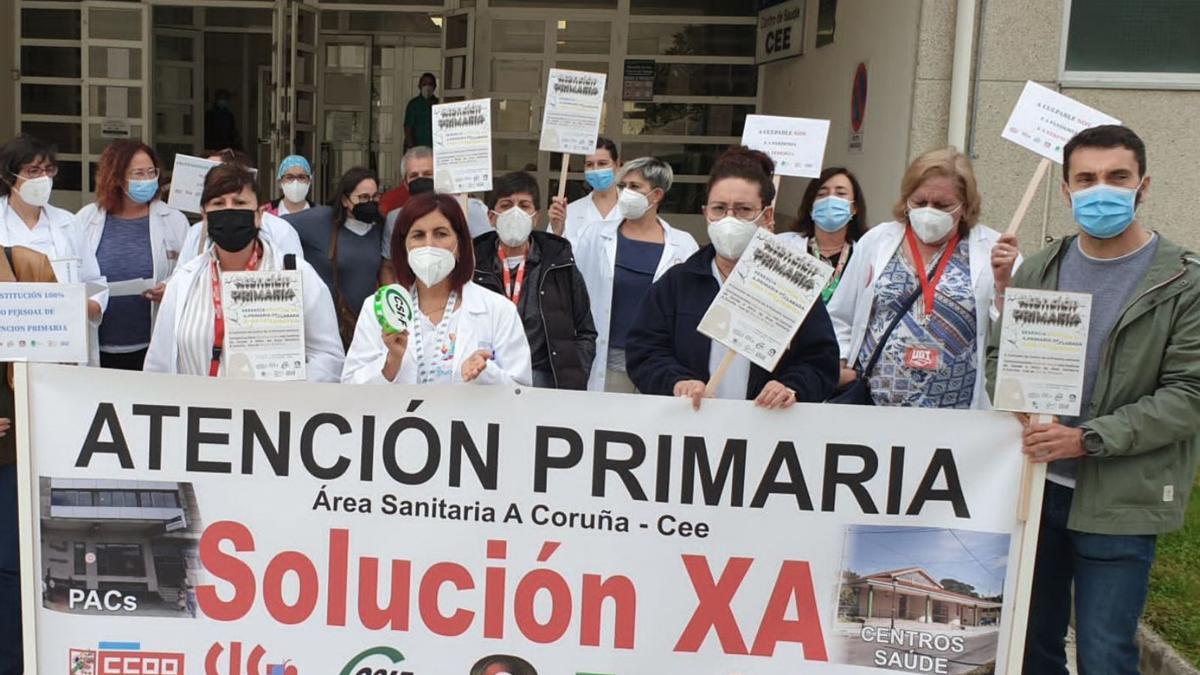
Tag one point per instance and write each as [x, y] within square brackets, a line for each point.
[10, 575]
[1111, 575]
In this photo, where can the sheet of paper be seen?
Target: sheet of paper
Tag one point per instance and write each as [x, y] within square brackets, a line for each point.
[264, 325]
[66, 270]
[574, 103]
[765, 299]
[187, 182]
[43, 322]
[1043, 349]
[462, 146]
[1044, 120]
[118, 289]
[797, 144]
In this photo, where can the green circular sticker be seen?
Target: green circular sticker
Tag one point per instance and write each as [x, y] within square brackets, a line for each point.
[393, 308]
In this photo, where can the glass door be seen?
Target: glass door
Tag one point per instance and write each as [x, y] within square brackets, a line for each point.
[302, 82]
[458, 54]
[178, 83]
[345, 109]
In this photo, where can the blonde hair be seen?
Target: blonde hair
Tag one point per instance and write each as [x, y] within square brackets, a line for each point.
[942, 163]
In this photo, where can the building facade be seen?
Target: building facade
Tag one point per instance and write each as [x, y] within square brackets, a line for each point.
[913, 595]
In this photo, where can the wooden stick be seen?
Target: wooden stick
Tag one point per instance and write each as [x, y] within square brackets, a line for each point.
[1015, 225]
[1027, 476]
[710, 389]
[562, 175]
[775, 182]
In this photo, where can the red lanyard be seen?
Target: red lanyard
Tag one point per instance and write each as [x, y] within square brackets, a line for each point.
[218, 312]
[929, 286]
[511, 289]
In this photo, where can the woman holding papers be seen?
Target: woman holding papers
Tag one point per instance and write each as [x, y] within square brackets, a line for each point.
[832, 216]
[597, 208]
[189, 337]
[620, 262]
[920, 289]
[460, 332]
[136, 239]
[27, 171]
[666, 353]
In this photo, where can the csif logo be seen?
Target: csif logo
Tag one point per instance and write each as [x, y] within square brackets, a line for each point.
[376, 661]
[253, 662]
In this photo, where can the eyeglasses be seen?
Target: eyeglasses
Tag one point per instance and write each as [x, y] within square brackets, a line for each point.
[364, 198]
[715, 212]
[294, 178]
[33, 171]
[142, 174]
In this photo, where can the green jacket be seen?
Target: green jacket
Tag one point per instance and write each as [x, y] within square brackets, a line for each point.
[1146, 401]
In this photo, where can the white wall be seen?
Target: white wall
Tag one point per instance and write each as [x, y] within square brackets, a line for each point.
[818, 83]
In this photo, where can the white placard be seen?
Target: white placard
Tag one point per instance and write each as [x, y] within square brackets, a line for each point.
[765, 299]
[797, 144]
[1043, 350]
[462, 146]
[264, 325]
[574, 103]
[187, 182]
[1044, 120]
[118, 289]
[43, 322]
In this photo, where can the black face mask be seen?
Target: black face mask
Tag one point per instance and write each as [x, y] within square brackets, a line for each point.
[232, 229]
[419, 186]
[367, 212]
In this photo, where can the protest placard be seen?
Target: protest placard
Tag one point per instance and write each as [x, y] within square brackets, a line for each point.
[462, 146]
[765, 299]
[571, 120]
[264, 325]
[43, 322]
[796, 144]
[187, 182]
[1043, 349]
[337, 529]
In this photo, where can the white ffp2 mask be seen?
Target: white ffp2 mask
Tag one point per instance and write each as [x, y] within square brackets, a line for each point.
[431, 264]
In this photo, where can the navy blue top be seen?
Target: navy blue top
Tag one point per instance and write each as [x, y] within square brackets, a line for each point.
[124, 253]
[634, 272]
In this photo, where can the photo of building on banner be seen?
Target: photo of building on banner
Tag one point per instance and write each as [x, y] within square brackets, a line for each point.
[462, 146]
[326, 529]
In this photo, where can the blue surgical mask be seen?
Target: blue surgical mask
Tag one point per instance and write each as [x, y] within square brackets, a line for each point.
[1104, 211]
[831, 213]
[142, 191]
[599, 179]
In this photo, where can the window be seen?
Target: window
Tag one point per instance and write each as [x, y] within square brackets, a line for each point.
[121, 560]
[166, 500]
[80, 557]
[1150, 43]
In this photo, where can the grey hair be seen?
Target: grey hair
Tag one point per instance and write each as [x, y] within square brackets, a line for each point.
[656, 172]
[417, 152]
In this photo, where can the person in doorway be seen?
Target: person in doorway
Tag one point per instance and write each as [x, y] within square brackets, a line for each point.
[832, 217]
[189, 337]
[278, 230]
[220, 124]
[620, 262]
[134, 236]
[537, 271]
[295, 180]
[665, 352]
[590, 213]
[1120, 473]
[938, 268]
[342, 242]
[17, 263]
[461, 333]
[418, 114]
[27, 171]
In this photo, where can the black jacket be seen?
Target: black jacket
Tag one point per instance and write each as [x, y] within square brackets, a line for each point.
[664, 347]
[554, 305]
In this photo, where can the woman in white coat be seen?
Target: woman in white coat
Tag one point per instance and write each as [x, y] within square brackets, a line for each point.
[461, 332]
[832, 218]
[936, 252]
[27, 171]
[134, 236]
[591, 212]
[619, 263]
[188, 338]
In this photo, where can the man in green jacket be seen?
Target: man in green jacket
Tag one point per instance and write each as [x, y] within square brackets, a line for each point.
[1119, 474]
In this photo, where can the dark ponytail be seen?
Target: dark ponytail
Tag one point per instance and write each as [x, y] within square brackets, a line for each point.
[750, 165]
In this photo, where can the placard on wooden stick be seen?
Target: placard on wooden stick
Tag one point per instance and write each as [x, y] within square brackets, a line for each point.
[571, 118]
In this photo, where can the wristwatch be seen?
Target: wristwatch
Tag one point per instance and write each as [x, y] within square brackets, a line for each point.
[1093, 444]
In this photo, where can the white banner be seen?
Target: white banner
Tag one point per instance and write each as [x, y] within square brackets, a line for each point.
[43, 322]
[259, 527]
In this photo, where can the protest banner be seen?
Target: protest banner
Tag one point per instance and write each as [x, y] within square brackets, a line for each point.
[187, 182]
[1043, 120]
[266, 523]
[571, 119]
[763, 302]
[462, 146]
[43, 322]
[264, 325]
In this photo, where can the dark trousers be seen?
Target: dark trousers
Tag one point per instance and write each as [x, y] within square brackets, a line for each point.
[1111, 575]
[130, 361]
[10, 575]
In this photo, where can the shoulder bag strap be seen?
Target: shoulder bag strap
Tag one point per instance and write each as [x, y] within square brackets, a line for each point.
[908, 303]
